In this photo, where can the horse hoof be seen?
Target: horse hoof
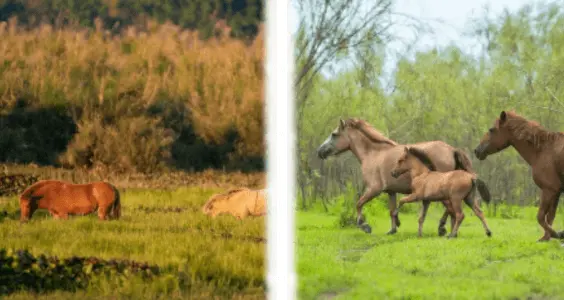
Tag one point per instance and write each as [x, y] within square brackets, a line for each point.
[442, 231]
[451, 237]
[392, 231]
[366, 228]
[489, 234]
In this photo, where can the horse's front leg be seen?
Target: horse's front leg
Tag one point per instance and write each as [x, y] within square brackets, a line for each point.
[548, 200]
[422, 216]
[370, 193]
[407, 199]
[392, 208]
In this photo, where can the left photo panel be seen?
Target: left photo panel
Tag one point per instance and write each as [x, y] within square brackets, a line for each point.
[132, 147]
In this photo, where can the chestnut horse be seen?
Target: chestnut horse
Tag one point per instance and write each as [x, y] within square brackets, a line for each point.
[543, 150]
[377, 155]
[429, 185]
[62, 199]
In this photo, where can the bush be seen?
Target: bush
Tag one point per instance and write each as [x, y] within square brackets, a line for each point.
[159, 97]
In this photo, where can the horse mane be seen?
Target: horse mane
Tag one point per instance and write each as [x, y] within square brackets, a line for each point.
[530, 131]
[369, 131]
[422, 157]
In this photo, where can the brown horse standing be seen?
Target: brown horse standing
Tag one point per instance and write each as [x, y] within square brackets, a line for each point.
[429, 185]
[543, 150]
[64, 198]
[377, 155]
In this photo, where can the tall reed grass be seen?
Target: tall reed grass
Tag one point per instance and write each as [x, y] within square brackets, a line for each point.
[150, 97]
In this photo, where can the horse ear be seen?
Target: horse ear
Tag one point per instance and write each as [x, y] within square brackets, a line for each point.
[502, 116]
[341, 124]
[406, 149]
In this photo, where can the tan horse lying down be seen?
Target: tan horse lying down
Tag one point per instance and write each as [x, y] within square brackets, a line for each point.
[63, 198]
[240, 203]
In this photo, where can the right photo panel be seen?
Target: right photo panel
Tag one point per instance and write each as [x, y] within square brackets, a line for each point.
[430, 149]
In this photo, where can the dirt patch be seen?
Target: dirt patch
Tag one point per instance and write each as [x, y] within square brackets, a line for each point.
[329, 295]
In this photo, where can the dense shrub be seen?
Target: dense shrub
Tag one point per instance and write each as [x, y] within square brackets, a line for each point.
[140, 101]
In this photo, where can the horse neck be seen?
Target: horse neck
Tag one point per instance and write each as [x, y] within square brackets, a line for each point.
[418, 169]
[527, 151]
[363, 147]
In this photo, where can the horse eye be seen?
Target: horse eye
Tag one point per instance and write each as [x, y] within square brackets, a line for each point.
[492, 130]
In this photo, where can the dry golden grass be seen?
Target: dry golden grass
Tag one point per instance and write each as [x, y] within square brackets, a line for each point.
[94, 75]
[165, 180]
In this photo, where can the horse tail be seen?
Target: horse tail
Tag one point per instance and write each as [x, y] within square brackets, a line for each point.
[482, 188]
[115, 210]
[462, 161]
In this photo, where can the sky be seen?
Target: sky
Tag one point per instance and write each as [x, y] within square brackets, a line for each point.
[448, 18]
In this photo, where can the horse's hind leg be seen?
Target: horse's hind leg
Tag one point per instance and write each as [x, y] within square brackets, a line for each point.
[103, 212]
[457, 207]
[422, 216]
[472, 204]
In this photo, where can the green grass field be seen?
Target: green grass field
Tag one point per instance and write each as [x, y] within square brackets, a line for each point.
[200, 258]
[346, 263]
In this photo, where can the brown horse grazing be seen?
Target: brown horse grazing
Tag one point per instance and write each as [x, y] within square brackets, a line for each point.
[64, 198]
[429, 185]
[377, 155]
[543, 150]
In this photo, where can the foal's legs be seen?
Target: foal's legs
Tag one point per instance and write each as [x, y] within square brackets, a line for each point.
[548, 197]
[448, 212]
[474, 206]
[422, 216]
[370, 193]
[457, 207]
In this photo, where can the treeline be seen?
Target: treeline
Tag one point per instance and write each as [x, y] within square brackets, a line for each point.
[242, 16]
[142, 101]
[449, 95]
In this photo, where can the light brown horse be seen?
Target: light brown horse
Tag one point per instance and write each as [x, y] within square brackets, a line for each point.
[240, 203]
[63, 198]
[543, 150]
[429, 185]
[377, 155]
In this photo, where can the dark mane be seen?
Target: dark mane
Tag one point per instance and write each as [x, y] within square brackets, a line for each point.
[530, 131]
[368, 131]
[421, 156]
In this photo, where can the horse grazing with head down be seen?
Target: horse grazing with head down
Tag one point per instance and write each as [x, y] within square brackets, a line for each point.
[429, 185]
[377, 155]
[240, 203]
[543, 150]
[62, 199]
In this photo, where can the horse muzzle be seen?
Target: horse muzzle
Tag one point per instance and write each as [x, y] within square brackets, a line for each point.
[323, 152]
[479, 153]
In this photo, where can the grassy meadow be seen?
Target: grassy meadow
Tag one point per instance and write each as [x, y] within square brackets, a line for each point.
[199, 258]
[346, 263]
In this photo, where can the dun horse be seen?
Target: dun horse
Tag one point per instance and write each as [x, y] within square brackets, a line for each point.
[62, 199]
[543, 150]
[240, 203]
[429, 185]
[377, 155]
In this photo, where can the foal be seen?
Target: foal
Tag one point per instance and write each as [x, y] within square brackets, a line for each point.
[428, 184]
